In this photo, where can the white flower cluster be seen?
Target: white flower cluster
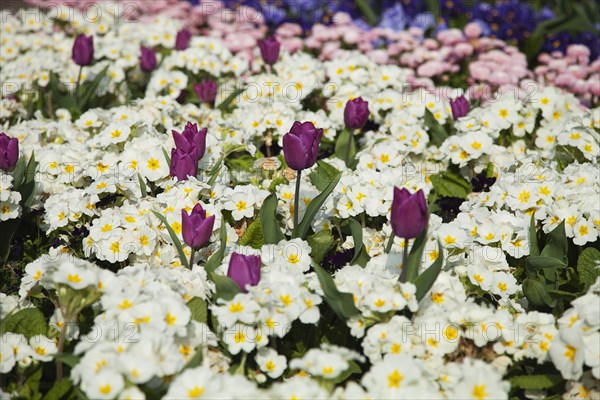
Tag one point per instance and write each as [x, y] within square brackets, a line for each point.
[9, 199]
[285, 293]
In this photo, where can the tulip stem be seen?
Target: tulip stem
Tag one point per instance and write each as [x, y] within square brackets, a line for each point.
[404, 262]
[78, 82]
[350, 140]
[191, 263]
[297, 198]
[390, 242]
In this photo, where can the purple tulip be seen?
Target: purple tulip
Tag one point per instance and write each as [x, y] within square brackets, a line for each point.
[9, 151]
[206, 91]
[182, 41]
[460, 107]
[191, 140]
[244, 270]
[183, 164]
[356, 113]
[409, 213]
[196, 228]
[301, 144]
[148, 59]
[83, 50]
[269, 49]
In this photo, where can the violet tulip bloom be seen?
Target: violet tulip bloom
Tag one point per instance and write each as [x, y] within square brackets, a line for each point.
[196, 228]
[182, 41]
[301, 145]
[409, 213]
[148, 59]
[269, 50]
[183, 164]
[460, 107]
[206, 91]
[191, 140]
[83, 50]
[244, 270]
[356, 113]
[9, 151]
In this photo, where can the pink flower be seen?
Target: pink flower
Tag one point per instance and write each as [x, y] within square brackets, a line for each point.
[379, 56]
[472, 30]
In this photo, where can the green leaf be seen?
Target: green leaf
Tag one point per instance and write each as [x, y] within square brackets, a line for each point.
[451, 184]
[344, 139]
[588, 266]
[323, 175]
[425, 280]
[541, 262]
[214, 172]
[30, 389]
[217, 258]
[535, 382]
[320, 243]
[60, 390]
[268, 218]
[302, 230]
[196, 359]
[174, 238]
[143, 188]
[353, 368]
[437, 132]
[18, 173]
[167, 156]
[226, 288]
[562, 294]
[556, 244]
[90, 89]
[28, 322]
[361, 257]
[67, 358]
[27, 187]
[226, 104]
[340, 302]
[534, 249]
[537, 293]
[253, 236]
[416, 255]
[7, 231]
[199, 309]
[366, 10]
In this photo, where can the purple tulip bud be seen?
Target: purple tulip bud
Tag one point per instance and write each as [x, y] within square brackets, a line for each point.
[182, 41]
[83, 50]
[206, 91]
[9, 151]
[409, 213]
[148, 59]
[460, 107]
[183, 164]
[196, 228]
[301, 144]
[356, 113]
[269, 49]
[244, 270]
[191, 140]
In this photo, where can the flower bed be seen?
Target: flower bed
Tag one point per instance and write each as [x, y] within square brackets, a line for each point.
[182, 217]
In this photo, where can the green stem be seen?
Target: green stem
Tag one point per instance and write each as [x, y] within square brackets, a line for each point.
[78, 83]
[404, 262]
[348, 148]
[390, 242]
[297, 199]
[191, 263]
